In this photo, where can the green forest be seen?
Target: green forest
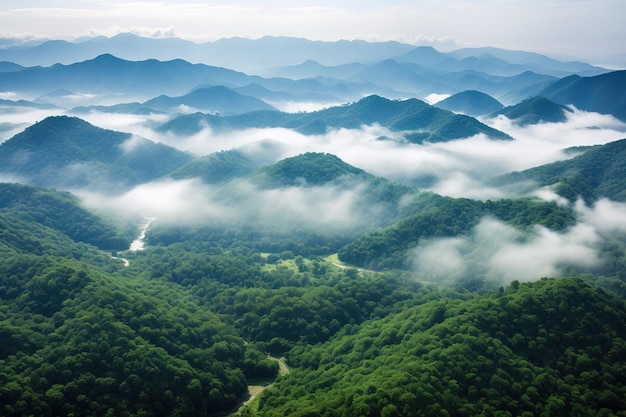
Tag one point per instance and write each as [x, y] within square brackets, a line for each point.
[201, 314]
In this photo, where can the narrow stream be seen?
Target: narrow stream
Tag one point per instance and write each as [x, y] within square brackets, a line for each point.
[140, 242]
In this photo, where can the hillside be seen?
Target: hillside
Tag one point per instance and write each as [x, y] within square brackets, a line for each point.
[83, 342]
[217, 168]
[309, 204]
[422, 122]
[189, 323]
[107, 74]
[217, 99]
[67, 152]
[598, 172]
[310, 169]
[291, 254]
[534, 110]
[471, 102]
[59, 211]
[533, 349]
[604, 93]
[430, 216]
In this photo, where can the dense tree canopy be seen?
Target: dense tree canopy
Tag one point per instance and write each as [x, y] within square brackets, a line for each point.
[190, 322]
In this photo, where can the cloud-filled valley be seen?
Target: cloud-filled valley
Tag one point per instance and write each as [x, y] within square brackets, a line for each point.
[493, 250]
[455, 168]
[424, 153]
[176, 234]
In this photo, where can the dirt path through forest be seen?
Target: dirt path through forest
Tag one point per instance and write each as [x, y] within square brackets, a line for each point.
[254, 390]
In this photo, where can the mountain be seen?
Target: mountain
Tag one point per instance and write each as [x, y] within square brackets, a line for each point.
[598, 172]
[430, 216]
[59, 211]
[112, 79]
[10, 67]
[421, 121]
[310, 204]
[520, 351]
[326, 95]
[217, 99]
[534, 110]
[10, 104]
[309, 170]
[67, 152]
[604, 93]
[313, 69]
[108, 79]
[317, 171]
[470, 102]
[217, 168]
[412, 78]
[250, 55]
[243, 54]
[528, 61]
[108, 75]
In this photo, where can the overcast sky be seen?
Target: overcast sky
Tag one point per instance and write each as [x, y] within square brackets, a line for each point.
[589, 29]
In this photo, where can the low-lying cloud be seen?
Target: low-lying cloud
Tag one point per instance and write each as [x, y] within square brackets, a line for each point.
[321, 209]
[499, 253]
[456, 168]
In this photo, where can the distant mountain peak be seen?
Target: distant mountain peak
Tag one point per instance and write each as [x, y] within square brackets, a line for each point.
[68, 152]
[308, 169]
[535, 110]
[470, 102]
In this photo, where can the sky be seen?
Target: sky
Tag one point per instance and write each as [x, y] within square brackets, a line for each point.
[589, 29]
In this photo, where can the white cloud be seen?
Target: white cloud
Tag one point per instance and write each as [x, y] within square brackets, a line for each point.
[433, 98]
[499, 253]
[132, 144]
[605, 215]
[321, 209]
[456, 168]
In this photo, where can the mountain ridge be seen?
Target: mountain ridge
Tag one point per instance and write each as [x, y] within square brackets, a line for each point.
[68, 152]
[426, 123]
[244, 54]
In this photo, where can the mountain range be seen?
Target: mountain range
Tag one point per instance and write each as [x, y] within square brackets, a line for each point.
[422, 122]
[246, 54]
[602, 94]
[534, 110]
[418, 72]
[333, 240]
[67, 152]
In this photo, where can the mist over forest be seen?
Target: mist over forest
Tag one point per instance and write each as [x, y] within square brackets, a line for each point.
[386, 232]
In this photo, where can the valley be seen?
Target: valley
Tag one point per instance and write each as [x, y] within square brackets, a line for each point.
[176, 240]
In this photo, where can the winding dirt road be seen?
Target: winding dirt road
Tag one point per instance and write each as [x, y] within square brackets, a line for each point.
[254, 390]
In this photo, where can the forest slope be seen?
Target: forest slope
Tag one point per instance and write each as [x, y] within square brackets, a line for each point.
[534, 349]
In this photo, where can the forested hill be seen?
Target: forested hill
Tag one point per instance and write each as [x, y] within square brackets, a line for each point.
[57, 211]
[80, 342]
[185, 327]
[433, 124]
[534, 349]
[217, 168]
[67, 152]
[470, 102]
[598, 172]
[218, 99]
[602, 93]
[309, 169]
[535, 110]
[432, 216]
[81, 335]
